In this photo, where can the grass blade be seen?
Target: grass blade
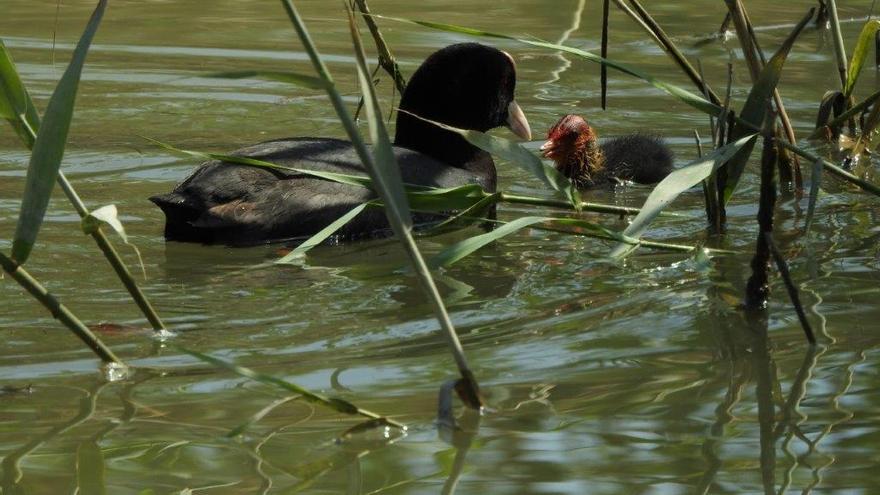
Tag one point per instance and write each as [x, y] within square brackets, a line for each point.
[468, 246]
[863, 46]
[464, 248]
[335, 404]
[385, 172]
[16, 105]
[676, 183]
[295, 78]
[49, 145]
[354, 180]
[302, 249]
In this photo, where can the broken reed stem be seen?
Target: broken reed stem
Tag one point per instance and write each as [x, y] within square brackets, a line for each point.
[58, 310]
[386, 58]
[782, 266]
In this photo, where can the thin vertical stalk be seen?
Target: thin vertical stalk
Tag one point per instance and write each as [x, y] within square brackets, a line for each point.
[58, 310]
[603, 69]
[837, 38]
[386, 58]
[398, 223]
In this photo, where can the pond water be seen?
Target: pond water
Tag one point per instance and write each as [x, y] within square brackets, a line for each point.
[639, 376]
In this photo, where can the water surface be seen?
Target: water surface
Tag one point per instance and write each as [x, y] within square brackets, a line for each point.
[638, 376]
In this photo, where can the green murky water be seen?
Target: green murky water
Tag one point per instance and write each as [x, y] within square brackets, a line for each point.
[633, 377]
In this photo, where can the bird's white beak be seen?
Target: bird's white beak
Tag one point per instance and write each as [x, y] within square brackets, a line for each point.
[517, 123]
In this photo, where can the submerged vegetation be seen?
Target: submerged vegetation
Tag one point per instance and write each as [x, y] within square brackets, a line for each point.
[736, 133]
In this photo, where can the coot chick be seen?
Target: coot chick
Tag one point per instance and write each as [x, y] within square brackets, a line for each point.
[575, 148]
[467, 85]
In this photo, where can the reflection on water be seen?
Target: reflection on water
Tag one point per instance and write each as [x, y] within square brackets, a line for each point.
[639, 376]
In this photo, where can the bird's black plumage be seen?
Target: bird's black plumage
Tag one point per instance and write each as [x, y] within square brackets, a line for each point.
[467, 85]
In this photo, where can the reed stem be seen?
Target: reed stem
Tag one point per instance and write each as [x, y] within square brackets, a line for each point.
[398, 223]
[837, 38]
[386, 58]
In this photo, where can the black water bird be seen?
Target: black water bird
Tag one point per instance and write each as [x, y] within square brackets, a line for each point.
[468, 85]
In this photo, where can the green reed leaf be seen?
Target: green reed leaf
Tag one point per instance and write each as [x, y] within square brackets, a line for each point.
[464, 248]
[676, 183]
[321, 236]
[863, 47]
[49, 145]
[354, 180]
[16, 105]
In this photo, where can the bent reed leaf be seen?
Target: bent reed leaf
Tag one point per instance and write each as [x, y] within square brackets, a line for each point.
[16, 105]
[335, 404]
[326, 232]
[755, 108]
[464, 248]
[676, 183]
[354, 180]
[49, 145]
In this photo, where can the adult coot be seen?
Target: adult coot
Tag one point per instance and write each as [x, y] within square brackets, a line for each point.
[467, 85]
[575, 148]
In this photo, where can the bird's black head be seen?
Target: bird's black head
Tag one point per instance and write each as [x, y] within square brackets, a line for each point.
[467, 85]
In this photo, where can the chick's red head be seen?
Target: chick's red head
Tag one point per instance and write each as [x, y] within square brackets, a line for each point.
[566, 137]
